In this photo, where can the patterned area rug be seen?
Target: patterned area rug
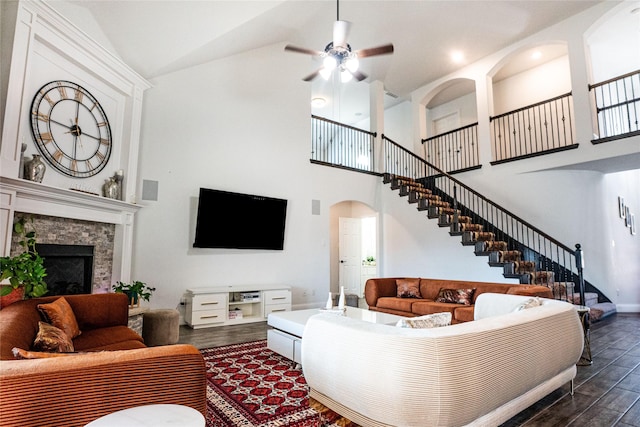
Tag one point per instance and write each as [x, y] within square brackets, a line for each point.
[251, 386]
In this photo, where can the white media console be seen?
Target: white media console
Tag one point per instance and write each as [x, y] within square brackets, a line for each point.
[231, 305]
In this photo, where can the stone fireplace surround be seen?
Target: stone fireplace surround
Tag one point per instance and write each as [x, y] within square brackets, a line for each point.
[67, 231]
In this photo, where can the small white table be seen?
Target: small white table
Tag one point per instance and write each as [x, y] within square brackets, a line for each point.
[152, 416]
[286, 336]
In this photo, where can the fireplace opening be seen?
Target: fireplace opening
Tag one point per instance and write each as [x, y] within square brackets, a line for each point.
[69, 268]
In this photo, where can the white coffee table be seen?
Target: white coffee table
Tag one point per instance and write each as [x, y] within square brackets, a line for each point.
[152, 416]
[288, 326]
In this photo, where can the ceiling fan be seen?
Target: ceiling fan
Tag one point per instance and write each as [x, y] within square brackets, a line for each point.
[339, 55]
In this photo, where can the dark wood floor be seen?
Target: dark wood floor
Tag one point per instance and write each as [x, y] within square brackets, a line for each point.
[607, 393]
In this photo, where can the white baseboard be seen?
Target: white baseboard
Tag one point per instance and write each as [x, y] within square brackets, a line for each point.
[628, 308]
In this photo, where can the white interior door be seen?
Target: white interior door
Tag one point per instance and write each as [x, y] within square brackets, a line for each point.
[349, 254]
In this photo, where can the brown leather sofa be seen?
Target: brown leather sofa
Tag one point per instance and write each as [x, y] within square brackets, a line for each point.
[381, 295]
[111, 370]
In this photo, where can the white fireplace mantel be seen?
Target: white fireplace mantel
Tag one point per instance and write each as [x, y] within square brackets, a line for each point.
[20, 195]
[37, 198]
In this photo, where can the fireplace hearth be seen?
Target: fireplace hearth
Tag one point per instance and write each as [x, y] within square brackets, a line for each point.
[69, 268]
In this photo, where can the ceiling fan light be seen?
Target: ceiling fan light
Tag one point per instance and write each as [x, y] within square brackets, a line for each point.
[352, 64]
[329, 63]
[325, 73]
[345, 76]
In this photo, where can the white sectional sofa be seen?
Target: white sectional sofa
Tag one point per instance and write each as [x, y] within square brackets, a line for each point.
[475, 373]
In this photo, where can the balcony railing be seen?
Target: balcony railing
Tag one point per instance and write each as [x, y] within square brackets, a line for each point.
[339, 145]
[537, 129]
[454, 151]
[617, 105]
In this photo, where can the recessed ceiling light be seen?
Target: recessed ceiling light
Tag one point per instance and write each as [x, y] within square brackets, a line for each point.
[457, 56]
[318, 102]
[536, 54]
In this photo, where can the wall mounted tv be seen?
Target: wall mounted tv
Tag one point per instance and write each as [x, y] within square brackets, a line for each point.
[239, 221]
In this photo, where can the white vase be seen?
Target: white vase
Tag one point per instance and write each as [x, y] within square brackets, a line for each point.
[329, 305]
[341, 299]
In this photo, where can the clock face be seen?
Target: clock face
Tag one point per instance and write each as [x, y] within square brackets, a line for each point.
[71, 129]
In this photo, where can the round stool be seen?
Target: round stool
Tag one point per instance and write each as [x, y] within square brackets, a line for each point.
[160, 327]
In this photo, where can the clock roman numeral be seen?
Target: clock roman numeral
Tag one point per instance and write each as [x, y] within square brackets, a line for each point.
[46, 137]
[102, 124]
[78, 95]
[74, 165]
[41, 116]
[100, 156]
[63, 91]
[88, 165]
[45, 95]
[58, 155]
[104, 141]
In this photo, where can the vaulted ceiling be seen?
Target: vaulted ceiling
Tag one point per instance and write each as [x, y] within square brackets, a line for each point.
[159, 36]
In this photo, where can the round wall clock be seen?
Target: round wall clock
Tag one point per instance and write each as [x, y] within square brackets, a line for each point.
[71, 129]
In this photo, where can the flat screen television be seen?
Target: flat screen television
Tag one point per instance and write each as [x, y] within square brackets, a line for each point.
[239, 221]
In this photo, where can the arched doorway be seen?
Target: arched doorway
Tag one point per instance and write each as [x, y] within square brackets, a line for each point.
[354, 241]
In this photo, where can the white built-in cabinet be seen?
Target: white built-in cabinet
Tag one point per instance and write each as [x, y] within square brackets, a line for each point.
[231, 305]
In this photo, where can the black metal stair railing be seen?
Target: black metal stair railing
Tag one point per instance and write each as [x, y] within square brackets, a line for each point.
[537, 129]
[617, 105]
[547, 253]
[339, 145]
[454, 151]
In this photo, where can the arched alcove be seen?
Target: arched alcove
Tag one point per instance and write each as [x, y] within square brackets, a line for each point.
[528, 75]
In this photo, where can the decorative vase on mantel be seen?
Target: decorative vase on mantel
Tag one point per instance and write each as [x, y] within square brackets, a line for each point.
[111, 189]
[34, 169]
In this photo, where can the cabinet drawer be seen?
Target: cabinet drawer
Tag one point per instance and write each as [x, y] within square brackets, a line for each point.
[274, 308]
[282, 296]
[281, 343]
[209, 302]
[208, 316]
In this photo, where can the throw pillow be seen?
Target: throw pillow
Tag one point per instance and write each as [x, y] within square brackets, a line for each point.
[60, 315]
[50, 338]
[530, 303]
[408, 288]
[456, 296]
[26, 354]
[435, 320]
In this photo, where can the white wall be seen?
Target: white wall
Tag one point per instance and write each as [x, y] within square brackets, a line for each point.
[465, 106]
[525, 88]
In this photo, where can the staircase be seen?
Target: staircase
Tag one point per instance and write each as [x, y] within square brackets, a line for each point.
[507, 247]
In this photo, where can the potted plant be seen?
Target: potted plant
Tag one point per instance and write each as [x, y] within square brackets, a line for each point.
[25, 272]
[135, 291]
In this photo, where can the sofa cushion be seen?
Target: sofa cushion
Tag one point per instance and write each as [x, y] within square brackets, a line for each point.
[104, 338]
[435, 320]
[50, 338]
[422, 307]
[463, 313]
[408, 288]
[456, 296]
[60, 315]
[394, 303]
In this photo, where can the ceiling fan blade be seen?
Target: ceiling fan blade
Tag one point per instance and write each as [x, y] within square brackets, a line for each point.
[380, 50]
[304, 50]
[358, 75]
[340, 33]
[312, 75]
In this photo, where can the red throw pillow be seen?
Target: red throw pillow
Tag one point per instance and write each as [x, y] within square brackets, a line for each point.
[456, 296]
[408, 288]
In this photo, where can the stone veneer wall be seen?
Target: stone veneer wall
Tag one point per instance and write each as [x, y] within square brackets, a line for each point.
[66, 231]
